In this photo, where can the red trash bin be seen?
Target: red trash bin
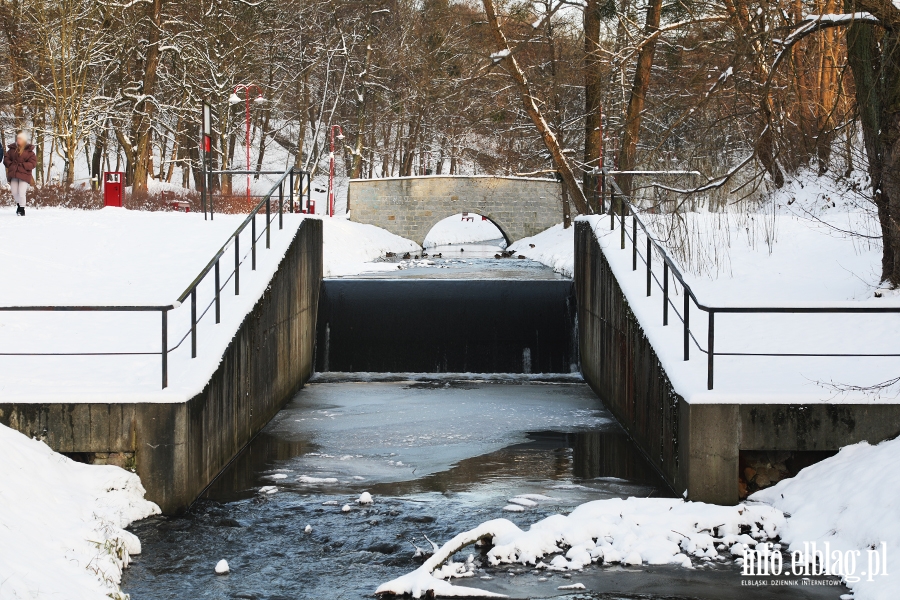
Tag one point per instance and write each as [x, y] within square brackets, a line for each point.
[113, 188]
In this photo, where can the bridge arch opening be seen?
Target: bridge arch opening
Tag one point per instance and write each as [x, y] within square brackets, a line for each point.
[466, 228]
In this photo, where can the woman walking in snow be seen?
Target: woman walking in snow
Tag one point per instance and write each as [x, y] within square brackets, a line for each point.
[20, 161]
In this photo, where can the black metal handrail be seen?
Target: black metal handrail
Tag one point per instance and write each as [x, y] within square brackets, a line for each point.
[619, 205]
[305, 176]
[190, 291]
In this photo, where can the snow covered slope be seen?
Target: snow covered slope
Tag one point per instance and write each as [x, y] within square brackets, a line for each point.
[61, 523]
[554, 247]
[349, 247]
[455, 230]
[849, 501]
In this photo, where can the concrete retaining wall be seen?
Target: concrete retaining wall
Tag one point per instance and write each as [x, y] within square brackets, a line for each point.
[178, 449]
[411, 206]
[695, 447]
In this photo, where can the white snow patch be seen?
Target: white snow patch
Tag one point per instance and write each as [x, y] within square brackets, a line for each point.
[459, 230]
[62, 523]
[554, 247]
[632, 531]
[317, 480]
[849, 501]
[349, 248]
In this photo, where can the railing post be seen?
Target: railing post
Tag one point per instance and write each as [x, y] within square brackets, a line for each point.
[291, 189]
[665, 292]
[622, 222]
[194, 323]
[218, 303]
[633, 241]
[237, 264]
[203, 190]
[268, 220]
[281, 205]
[253, 242]
[687, 324]
[165, 348]
[711, 341]
[612, 212]
[649, 260]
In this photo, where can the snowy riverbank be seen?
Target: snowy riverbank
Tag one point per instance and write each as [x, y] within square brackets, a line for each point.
[847, 501]
[62, 523]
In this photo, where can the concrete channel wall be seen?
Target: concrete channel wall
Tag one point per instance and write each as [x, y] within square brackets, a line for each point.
[179, 448]
[410, 206]
[695, 447]
[447, 326]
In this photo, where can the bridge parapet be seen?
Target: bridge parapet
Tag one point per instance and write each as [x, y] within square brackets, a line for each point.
[410, 206]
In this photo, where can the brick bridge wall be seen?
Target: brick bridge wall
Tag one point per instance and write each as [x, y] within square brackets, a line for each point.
[410, 206]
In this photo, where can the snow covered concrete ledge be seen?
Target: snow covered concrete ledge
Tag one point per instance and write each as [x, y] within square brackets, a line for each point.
[62, 523]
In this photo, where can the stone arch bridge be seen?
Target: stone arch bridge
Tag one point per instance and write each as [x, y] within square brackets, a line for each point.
[410, 206]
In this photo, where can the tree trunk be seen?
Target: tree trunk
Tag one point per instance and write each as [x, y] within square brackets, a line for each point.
[634, 112]
[593, 87]
[144, 109]
[862, 54]
[531, 107]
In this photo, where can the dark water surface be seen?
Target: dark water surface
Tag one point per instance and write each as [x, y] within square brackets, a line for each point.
[440, 455]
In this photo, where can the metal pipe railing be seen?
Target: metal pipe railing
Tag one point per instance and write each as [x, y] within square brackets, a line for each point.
[191, 290]
[669, 266]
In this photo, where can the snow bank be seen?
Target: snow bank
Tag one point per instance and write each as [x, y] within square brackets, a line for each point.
[850, 501]
[349, 247]
[61, 523]
[634, 531]
[454, 230]
[554, 247]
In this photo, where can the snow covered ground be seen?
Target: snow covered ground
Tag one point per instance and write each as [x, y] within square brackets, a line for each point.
[655, 531]
[554, 247]
[810, 264]
[62, 523]
[459, 229]
[349, 248]
[850, 502]
[120, 257]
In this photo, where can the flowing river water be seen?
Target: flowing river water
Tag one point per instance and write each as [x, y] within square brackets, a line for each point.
[440, 454]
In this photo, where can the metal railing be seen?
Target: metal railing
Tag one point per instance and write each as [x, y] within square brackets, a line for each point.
[620, 206]
[190, 293]
[302, 178]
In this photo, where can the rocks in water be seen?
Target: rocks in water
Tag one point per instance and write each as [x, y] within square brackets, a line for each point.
[307, 529]
[346, 508]
[222, 567]
[365, 498]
